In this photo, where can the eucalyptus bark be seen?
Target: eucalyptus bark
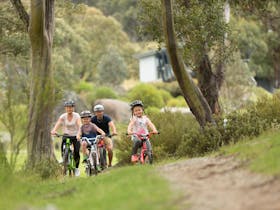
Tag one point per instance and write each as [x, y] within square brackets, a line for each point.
[23, 15]
[193, 96]
[40, 26]
[210, 83]
[41, 92]
[4, 165]
[276, 66]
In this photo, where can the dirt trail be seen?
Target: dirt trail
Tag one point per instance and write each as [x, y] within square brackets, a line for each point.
[221, 183]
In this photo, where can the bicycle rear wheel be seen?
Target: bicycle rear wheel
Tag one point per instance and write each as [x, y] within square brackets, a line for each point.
[103, 162]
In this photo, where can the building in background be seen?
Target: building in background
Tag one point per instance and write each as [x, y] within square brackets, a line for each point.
[154, 66]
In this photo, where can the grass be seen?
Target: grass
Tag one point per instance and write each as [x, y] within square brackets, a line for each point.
[133, 187]
[263, 152]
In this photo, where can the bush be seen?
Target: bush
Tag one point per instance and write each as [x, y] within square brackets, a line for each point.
[199, 142]
[104, 92]
[148, 94]
[177, 102]
[172, 127]
[171, 87]
[83, 86]
[180, 134]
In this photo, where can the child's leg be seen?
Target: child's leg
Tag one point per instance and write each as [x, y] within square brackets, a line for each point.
[149, 145]
[136, 144]
[84, 149]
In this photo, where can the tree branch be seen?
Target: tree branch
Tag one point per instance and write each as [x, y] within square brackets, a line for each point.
[23, 15]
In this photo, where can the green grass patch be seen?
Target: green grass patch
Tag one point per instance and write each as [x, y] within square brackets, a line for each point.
[262, 152]
[133, 187]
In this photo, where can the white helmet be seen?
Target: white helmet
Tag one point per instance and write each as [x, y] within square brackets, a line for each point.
[98, 108]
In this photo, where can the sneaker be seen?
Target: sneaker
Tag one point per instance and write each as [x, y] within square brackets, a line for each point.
[77, 172]
[134, 158]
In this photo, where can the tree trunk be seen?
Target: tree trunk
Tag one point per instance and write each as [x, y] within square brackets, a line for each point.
[192, 94]
[41, 92]
[4, 165]
[208, 83]
[276, 67]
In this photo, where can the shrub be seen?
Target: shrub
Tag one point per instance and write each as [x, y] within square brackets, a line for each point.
[148, 94]
[83, 86]
[180, 134]
[171, 87]
[166, 96]
[104, 92]
[177, 102]
[198, 142]
[172, 127]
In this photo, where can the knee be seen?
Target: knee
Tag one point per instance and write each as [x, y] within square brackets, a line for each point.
[84, 144]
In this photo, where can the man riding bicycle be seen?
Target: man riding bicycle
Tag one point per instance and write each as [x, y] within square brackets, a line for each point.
[105, 122]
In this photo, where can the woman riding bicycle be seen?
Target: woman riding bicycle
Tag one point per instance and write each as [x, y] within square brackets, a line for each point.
[139, 123]
[70, 122]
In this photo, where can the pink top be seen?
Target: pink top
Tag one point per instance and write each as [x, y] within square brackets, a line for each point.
[70, 127]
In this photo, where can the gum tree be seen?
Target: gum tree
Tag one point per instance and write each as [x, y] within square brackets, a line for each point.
[39, 25]
[192, 94]
[200, 29]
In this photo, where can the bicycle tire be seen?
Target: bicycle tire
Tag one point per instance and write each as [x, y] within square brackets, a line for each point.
[88, 168]
[65, 161]
[148, 158]
[93, 168]
[71, 166]
[102, 152]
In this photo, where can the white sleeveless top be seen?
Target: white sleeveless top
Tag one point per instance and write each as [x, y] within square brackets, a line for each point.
[140, 124]
[70, 127]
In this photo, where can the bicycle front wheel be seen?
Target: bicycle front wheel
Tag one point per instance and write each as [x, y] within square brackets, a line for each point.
[93, 167]
[65, 161]
[148, 159]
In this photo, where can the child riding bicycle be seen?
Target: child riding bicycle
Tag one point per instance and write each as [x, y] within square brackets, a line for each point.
[89, 130]
[139, 123]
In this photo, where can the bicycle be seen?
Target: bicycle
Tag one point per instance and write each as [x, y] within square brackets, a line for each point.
[145, 156]
[103, 151]
[68, 161]
[92, 161]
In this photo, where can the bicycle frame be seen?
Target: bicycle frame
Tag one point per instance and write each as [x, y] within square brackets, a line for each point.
[67, 155]
[145, 156]
[68, 159]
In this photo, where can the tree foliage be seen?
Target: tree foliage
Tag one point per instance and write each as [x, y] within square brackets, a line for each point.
[125, 11]
[112, 68]
[199, 28]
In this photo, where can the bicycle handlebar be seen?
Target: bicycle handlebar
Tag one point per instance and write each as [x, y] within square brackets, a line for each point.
[62, 135]
[94, 139]
[147, 134]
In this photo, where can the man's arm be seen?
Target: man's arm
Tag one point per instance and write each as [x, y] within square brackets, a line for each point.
[113, 127]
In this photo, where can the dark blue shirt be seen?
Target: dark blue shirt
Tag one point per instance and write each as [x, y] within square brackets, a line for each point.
[102, 123]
